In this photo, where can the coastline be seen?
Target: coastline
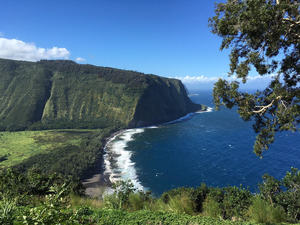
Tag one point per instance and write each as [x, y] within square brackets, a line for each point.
[101, 181]
[97, 182]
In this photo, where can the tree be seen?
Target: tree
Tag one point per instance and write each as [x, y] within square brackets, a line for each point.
[262, 35]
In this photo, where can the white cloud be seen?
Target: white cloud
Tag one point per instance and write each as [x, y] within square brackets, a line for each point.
[20, 50]
[203, 82]
[197, 79]
[80, 60]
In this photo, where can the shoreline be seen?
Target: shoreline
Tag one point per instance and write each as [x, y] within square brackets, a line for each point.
[99, 182]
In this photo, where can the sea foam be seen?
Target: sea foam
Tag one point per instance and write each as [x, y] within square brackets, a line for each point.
[117, 159]
[189, 116]
[209, 109]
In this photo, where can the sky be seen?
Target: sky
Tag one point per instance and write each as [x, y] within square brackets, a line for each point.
[169, 38]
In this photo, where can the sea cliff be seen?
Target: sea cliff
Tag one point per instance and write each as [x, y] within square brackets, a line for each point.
[52, 94]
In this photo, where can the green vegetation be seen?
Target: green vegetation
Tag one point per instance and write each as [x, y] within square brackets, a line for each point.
[37, 186]
[37, 197]
[19, 146]
[42, 188]
[228, 203]
[50, 150]
[61, 94]
[262, 34]
[263, 212]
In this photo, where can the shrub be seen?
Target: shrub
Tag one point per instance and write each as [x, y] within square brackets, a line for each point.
[199, 196]
[180, 200]
[181, 204]
[7, 208]
[236, 202]
[212, 208]
[290, 199]
[15, 184]
[263, 212]
[136, 202]
[111, 201]
[120, 197]
[285, 193]
[270, 188]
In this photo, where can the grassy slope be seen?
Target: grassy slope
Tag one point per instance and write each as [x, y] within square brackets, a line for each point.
[71, 152]
[19, 146]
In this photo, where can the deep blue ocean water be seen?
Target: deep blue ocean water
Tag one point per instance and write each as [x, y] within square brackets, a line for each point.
[213, 147]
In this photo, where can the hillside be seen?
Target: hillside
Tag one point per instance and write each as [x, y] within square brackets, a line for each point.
[63, 94]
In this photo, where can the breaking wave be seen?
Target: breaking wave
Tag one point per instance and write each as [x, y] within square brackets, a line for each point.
[117, 158]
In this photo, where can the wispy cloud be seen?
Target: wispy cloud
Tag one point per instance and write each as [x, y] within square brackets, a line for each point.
[1, 34]
[20, 50]
[80, 60]
[204, 82]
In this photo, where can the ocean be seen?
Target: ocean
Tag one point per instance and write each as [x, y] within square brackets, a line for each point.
[214, 147]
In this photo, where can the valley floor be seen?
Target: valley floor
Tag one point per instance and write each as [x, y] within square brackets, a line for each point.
[16, 147]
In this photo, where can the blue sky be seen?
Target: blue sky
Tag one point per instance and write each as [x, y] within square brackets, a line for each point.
[165, 37]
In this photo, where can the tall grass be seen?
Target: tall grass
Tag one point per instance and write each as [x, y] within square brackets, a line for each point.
[263, 212]
[212, 208]
[7, 208]
[79, 201]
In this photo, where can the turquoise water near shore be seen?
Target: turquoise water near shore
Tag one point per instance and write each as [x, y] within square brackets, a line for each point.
[213, 147]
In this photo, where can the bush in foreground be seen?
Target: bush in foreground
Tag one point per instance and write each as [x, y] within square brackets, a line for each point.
[36, 198]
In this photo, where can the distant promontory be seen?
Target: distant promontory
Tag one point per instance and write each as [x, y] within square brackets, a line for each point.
[52, 94]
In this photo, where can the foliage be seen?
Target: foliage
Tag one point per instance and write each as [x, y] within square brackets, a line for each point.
[270, 188]
[236, 202]
[199, 195]
[7, 211]
[180, 203]
[192, 199]
[62, 94]
[125, 196]
[50, 150]
[34, 197]
[290, 199]
[19, 146]
[263, 34]
[21, 186]
[212, 208]
[228, 202]
[284, 193]
[263, 212]
[150, 217]
[51, 209]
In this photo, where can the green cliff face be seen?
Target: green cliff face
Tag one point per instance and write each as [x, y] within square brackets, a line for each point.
[63, 94]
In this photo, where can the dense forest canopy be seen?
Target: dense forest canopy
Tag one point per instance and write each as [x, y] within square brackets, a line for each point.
[263, 35]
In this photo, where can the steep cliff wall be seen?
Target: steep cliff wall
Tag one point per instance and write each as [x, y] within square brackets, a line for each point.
[24, 89]
[59, 93]
[162, 100]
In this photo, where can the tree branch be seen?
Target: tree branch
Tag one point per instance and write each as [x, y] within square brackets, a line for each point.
[265, 107]
[293, 22]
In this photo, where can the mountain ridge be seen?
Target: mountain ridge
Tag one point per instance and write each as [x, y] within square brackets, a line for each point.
[51, 94]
